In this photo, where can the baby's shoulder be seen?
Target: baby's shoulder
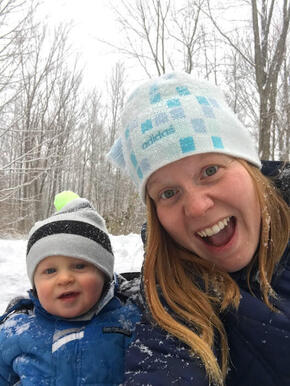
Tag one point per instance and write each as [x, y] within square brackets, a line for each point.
[117, 309]
[19, 308]
[117, 317]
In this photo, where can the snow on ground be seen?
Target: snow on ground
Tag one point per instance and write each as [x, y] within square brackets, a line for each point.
[128, 252]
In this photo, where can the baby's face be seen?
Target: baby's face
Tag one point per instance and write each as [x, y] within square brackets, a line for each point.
[66, 286]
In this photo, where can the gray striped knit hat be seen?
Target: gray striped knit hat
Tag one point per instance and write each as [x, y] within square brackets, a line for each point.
[172, 117]
[76, 230]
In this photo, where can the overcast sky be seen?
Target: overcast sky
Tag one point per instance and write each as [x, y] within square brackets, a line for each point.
[94, 20]
[91, 20]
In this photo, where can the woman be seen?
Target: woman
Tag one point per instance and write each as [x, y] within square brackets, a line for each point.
[217, 262]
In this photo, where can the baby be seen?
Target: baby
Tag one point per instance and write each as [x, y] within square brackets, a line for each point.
[75, 329]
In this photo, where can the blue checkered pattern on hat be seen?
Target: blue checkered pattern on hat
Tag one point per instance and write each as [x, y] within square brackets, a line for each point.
[172, 117]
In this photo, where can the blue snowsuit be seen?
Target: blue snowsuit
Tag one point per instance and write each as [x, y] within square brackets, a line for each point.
[41, 349]
[259, 339]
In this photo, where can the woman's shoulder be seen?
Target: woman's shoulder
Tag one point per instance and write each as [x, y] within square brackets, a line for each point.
[156, 357]
[285, 260]
[116, 310]
[279, 173]
[281, 278]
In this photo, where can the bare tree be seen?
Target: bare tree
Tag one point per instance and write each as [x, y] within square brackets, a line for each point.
[144, 25]
[55, 135]
[282, 117]
[269, 44]
[123, 209]
[161, 35]
[187, 31]
[89, 145]
[40, 125]
[14, 22]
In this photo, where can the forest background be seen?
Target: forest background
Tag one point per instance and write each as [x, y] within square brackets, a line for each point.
[55, 129]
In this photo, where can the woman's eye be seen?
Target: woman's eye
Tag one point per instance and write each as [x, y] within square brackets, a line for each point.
[210, 171]
[49, 271]
[167, 194]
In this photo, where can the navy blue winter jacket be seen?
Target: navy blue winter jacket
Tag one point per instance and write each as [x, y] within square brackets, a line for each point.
[259, 342]
[41, 349]
[259, 339]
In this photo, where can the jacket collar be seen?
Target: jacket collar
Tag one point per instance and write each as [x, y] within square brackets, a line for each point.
[241, 276]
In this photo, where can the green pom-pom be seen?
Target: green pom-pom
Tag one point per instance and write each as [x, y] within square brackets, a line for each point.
[63, 198]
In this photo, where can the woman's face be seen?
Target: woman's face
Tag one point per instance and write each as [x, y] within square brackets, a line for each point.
[208, 204]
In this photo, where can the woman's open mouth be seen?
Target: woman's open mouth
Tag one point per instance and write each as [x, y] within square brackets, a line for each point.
[219, 234]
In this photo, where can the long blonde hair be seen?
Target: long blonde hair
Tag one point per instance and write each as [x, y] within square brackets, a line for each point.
[196, 291]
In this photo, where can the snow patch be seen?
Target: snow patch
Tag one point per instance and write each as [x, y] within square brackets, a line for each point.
[144, 349]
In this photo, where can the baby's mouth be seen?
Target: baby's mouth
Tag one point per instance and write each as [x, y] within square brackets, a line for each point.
[68, 295]
[219, 234]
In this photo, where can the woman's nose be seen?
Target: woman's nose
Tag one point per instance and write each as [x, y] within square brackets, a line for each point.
[196, 203]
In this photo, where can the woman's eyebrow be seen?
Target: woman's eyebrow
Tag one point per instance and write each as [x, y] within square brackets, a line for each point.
[152, 182]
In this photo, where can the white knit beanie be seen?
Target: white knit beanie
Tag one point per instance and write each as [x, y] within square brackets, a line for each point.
[76, 230]
[172, 117]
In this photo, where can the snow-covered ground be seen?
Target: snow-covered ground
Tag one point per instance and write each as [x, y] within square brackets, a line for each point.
[128, 252]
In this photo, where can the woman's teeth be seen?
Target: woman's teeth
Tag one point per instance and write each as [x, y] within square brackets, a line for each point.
[215, 228]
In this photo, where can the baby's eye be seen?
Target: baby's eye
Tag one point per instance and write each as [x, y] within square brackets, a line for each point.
[169, 193]
[49, 271]
[80, 266]
[210, 171]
